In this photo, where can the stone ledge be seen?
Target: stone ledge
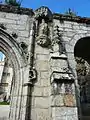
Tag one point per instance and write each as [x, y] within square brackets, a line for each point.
[16, 10]
[77, 19]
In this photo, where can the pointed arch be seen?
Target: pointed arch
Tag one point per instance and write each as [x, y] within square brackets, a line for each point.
[12, 50]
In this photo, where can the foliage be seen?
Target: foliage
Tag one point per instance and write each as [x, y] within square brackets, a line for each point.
[4, 103]
[13, 2]
[70, 12]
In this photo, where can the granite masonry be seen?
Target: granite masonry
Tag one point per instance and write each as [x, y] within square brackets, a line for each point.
[49, 53]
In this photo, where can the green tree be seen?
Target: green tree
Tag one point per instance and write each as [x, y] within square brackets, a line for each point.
[70, 12]
[13, 2]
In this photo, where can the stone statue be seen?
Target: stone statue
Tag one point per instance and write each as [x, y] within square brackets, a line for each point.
[43, 28]
[43, 12]
[57, 44]
[32, 74]
[43, 34]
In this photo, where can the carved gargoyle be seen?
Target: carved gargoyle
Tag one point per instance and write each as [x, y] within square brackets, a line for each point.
[32, 74]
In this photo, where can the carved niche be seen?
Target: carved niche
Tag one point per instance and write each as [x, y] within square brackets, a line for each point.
[57, 43]
[43, 17]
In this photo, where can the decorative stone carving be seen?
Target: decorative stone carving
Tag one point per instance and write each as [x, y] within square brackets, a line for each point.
[43, 12]
[14, 35]
[32, 74]
[57, 41]
[24, 48]
[43, 34]
[2, 26]
[43, 16]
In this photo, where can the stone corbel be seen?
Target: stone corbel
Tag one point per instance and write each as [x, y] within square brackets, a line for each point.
[60, 76]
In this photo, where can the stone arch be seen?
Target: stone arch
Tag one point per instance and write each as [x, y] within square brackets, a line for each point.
[70, 50]
[82, 57]
[12, 50]
[77, 37]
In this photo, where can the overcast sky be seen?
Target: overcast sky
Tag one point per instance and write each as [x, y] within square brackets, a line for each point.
[82, 7]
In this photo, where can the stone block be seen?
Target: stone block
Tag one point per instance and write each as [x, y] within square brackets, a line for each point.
[7, 21]
[57, 100]
[45, 82]
[64, 111]
[71, 56]
[67, 25]
[76, 27]
[42, 57]
[46, 91]
[41, 50]
[66, 39]
[42, 65]
[59, 63]
[69, 48]
[45, 75]
[69, 100]
[16, 27]
[68, 33]
[23, 33]
[59, 111]
[72, 63]
[61, 118]
[72, 117]
[42, 102]
[40, 114]
[37, 91]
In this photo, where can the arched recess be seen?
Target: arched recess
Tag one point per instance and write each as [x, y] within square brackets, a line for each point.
[12, 50]
[82, 57]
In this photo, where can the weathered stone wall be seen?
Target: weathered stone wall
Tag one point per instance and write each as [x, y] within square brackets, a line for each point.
[18, 26]
[49, 42]
[16, 23]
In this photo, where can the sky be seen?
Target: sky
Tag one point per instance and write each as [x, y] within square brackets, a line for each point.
[81, 7]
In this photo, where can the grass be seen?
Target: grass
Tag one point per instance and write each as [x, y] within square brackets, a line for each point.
[4, 103]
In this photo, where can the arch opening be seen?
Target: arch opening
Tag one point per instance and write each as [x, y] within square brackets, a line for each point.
[82, 57]
[14, 58]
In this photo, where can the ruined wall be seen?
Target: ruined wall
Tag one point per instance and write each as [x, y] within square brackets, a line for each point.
[47, 86]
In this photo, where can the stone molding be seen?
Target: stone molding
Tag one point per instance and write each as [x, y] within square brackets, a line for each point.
[16, 10]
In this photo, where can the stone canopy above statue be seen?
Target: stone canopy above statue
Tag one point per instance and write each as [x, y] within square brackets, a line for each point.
[43, 12]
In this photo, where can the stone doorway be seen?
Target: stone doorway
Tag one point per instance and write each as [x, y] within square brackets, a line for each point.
[82, 57]
[12, 50]
[6, 81]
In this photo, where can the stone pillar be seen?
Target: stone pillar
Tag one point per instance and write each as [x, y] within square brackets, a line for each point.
[63, 98]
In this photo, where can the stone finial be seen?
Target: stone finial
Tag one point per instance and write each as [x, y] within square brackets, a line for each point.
[43, 12]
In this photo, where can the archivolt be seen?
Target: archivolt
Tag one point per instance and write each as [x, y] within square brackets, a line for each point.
[12, 50]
